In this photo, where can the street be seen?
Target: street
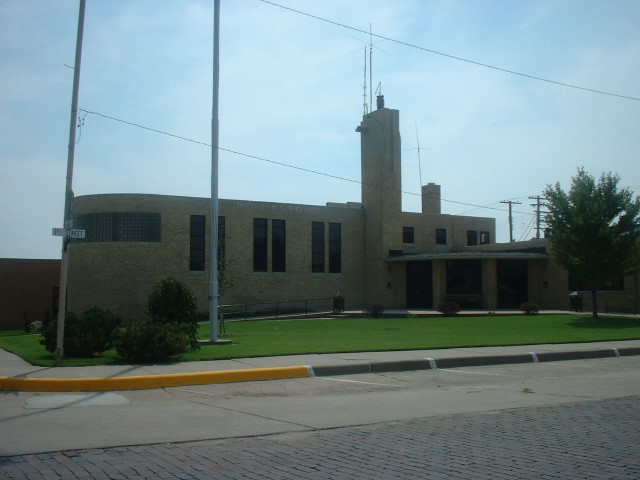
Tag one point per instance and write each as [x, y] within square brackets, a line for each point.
[571, 419]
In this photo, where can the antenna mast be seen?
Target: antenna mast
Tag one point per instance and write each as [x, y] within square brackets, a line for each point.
[419, 161]
[370, 68]
[364, 95]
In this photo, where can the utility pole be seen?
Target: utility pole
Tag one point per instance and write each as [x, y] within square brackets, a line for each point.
[537, 198]
[68, 195]
[511, 202]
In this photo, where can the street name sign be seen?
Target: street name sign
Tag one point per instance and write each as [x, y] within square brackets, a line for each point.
[70, 232]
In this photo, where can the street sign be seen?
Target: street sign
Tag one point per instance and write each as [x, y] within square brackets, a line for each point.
[75, 233]
[70, 232]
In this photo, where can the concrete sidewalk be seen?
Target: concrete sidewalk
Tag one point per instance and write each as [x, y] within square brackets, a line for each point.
[16, 374]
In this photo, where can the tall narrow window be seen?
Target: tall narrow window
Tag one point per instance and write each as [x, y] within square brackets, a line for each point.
[441, 236]
[259, 244]
[407, 234]
[278, 246]
[317, 247]
[197, 243]
[472, 237]
[485, 237]
[335, 247]
[221, 243]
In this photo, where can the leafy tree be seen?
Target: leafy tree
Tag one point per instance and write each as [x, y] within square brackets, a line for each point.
[594, 230]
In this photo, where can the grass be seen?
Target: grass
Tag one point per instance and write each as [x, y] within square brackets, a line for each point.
[289, 337]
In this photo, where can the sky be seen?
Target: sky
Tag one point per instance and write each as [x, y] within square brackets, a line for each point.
[292, 92]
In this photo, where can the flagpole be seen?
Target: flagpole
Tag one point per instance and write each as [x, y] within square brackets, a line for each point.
[68, 196]
[214, 293]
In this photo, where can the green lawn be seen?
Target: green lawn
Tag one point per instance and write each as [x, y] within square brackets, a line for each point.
[288, 337]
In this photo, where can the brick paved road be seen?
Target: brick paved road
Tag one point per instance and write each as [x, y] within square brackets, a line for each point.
[591, 440]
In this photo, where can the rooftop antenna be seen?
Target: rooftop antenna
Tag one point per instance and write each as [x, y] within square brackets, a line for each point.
[365, 107]
[419, 161]
[379, 96]
[370, 67]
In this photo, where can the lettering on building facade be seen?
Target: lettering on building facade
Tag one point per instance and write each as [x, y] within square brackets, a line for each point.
[272, 207]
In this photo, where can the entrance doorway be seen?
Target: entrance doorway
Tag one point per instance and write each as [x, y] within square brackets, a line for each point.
[513, 284]
[419, 284]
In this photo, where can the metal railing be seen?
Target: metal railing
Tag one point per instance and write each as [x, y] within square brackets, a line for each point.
[609, 305]
[281, 309]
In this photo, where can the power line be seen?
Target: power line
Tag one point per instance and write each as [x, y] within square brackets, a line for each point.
[424, 49]
[274, 162]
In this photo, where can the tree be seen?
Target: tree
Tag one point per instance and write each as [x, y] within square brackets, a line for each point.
[594, 230]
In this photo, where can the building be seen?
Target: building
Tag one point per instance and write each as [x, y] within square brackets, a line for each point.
[28, 288]
[371, 252]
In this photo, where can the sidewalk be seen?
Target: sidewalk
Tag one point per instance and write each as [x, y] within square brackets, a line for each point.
[16, 374]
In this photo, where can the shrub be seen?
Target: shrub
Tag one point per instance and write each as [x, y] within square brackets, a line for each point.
[173, 302]
[150, 341]
[376, 310]
[84, 335]
[529, 308]
[449, 308]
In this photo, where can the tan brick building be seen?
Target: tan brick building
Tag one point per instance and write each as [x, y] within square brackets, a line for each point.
[370, 251]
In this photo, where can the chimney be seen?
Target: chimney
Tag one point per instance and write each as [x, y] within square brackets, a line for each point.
[431, 198]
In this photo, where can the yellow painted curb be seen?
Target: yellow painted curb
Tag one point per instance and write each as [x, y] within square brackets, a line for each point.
[148, 381]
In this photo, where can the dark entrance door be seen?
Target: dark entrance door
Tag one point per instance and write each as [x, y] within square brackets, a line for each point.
[419, 284]
[513, 283]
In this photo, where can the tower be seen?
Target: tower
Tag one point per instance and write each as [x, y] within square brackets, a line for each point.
[381, 199]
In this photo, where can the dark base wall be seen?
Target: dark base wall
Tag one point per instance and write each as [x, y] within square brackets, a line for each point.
[26, 287]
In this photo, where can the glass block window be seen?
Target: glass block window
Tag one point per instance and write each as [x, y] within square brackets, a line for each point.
[118, 227]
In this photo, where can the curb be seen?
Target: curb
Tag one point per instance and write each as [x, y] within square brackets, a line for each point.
[302, 371]
[149, 381]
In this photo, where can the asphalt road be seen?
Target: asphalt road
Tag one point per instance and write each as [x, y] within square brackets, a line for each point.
[570, 419]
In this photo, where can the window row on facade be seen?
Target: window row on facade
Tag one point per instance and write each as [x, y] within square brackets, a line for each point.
[326, 245]
[473, 236]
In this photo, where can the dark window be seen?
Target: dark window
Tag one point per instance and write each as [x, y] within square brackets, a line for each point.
[407, 234]
[259, 244]
[335, 247]
[472, 237]
[222, 231]
[485, 238]
[464, 277]
[441, 236]
[197, 243]
[317, 247]
[278, 246]
[118, 227]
